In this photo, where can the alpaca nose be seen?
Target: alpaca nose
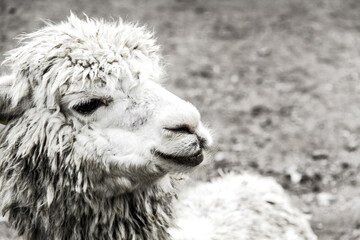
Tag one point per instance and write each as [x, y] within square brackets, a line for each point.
[203, 141]
[180, 117]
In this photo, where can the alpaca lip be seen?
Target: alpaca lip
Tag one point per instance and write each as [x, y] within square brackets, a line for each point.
[191, 160]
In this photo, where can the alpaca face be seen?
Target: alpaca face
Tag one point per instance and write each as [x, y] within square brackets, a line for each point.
[88, 91]
[149, 128]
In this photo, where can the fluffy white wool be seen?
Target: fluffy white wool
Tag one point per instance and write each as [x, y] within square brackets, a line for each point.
[244, 207]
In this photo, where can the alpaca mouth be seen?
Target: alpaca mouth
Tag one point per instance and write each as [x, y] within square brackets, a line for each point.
[191, 160]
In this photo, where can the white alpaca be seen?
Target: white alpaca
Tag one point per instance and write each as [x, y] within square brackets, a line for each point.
[245, 207]
[93, 143]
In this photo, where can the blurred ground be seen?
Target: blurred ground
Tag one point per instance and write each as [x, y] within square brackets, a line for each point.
[278, 81]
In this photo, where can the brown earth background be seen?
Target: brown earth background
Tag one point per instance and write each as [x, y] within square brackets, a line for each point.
[278, 82]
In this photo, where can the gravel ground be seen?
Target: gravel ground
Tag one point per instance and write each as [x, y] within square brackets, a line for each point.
[277, 81]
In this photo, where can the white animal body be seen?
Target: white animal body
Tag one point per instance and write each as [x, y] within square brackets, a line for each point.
[93, 143]
[243, 207]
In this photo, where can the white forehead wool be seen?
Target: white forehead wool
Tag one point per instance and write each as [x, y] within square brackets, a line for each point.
[80, 54]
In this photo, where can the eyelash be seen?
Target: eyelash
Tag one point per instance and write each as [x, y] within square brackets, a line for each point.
[89, 106]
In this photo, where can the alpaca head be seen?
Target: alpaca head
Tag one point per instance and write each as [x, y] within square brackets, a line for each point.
[84, 98]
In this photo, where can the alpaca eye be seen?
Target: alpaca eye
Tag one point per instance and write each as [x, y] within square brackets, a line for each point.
[88, 106]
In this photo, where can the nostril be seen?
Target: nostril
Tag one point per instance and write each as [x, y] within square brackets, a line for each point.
[203, 142]
[181, 129]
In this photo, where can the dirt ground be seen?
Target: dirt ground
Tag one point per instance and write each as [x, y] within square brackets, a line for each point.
[278, 82]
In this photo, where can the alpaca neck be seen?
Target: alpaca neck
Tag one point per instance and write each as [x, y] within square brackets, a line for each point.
[142, 214]
[44, 198]
[42, 204]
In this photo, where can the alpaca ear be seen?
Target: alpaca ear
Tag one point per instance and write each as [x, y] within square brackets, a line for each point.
[6, 83]
[14, 99]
